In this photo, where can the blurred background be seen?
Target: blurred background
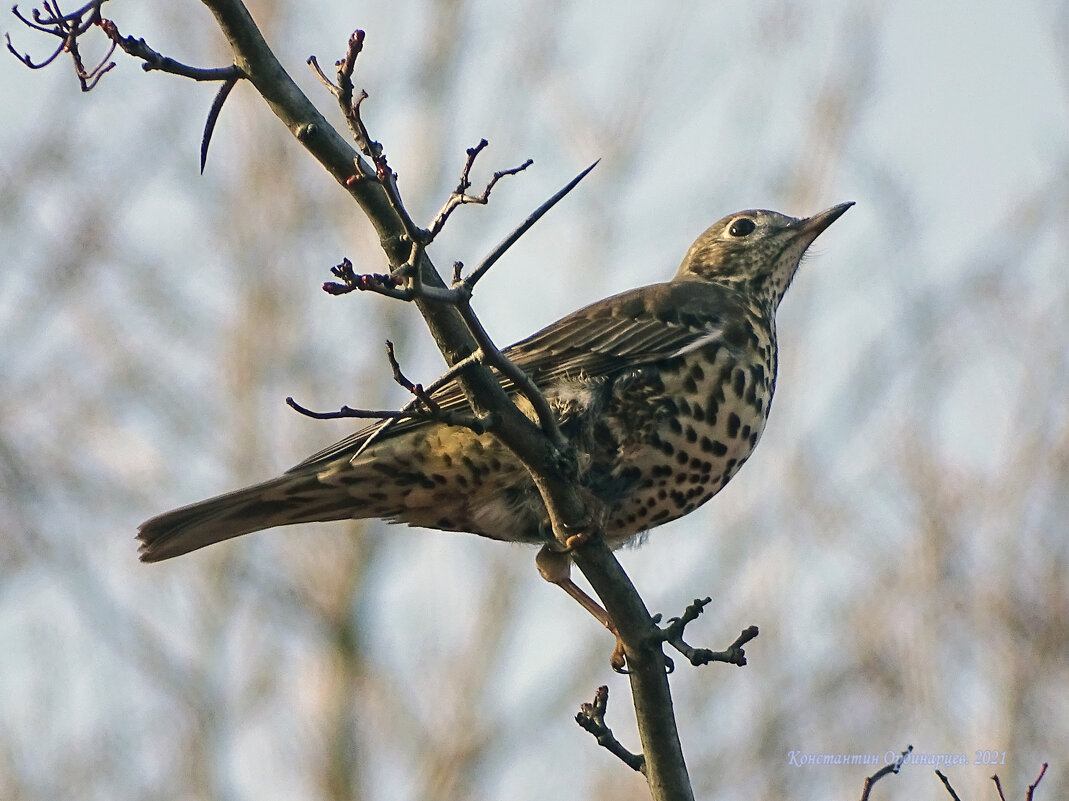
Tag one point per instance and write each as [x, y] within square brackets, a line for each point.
[899, 536]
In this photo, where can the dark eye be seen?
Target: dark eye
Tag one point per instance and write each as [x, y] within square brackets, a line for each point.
[742, 227]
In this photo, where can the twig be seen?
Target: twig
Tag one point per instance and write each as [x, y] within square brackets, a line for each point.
[392, 416]
[348, 411]
[343, 90]
[946, 783]
[998, 786]
[153, 60]
[1033, 785]
[884, 771]
[493, 356]
[68, 28]
[534, 217]
[365, 282]
[672, 634]
[446, 377]
[591, 717]
[460, 195]
[416, 389]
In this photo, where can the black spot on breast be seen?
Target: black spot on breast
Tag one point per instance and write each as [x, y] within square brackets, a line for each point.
[733, 425]
[691, 434]
[689, 384]
[738, 383]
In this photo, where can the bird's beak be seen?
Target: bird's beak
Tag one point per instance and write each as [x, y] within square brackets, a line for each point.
[818, 223]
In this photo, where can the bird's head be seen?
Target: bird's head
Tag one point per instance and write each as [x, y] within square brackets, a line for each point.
[757, 251]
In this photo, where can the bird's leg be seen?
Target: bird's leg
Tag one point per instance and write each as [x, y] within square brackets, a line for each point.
[556, 567]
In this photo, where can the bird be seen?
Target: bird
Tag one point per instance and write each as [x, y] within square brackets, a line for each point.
[662, 391]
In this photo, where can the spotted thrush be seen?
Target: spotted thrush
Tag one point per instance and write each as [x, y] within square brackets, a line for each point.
[663, 391]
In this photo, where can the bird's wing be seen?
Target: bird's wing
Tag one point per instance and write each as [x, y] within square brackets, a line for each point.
[607, 338]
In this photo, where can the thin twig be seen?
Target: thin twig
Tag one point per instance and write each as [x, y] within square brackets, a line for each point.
[460, 195]
[68, 28]
[884, 771]
[534, 217]
[672, 634]
[352, 281]
[154, 61]
[1033, 785]
[347, 412]
[493, 357]
[946, 783]
[416, 389]
[446, 377]
[591, 717]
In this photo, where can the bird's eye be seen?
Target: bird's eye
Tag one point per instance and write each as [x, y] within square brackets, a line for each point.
[742, 227]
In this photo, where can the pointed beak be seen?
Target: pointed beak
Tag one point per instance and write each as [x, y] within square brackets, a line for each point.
[814, 226]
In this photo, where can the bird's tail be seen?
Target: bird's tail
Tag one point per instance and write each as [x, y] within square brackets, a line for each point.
[286, 500]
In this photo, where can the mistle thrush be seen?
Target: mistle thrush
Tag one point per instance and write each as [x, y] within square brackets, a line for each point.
[663, 391]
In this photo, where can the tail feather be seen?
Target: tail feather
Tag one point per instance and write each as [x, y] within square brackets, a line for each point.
[286, 500]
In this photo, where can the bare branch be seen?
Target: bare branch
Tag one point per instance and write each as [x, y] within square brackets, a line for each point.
[946, 783]
[460, 195]
[998, 786]
[153, 61]
[525, 226]
[591, 717]
[1033, 785]
[367, 282]
[672, 634]
[416, 389]
[68, 28]
[884, 771]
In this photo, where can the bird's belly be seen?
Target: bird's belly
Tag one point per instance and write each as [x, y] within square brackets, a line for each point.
[696, 433]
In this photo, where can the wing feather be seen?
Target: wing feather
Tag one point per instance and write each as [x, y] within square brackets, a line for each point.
[610, 337]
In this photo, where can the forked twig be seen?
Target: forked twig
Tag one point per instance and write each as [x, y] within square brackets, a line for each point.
[591, 717]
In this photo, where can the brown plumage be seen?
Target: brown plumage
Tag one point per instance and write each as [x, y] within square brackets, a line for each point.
[664, 392]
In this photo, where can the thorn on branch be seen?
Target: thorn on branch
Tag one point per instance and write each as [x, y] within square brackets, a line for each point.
[672, 634]
[591, 717]
[523, 228]
[884, 771]
[213, 117]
